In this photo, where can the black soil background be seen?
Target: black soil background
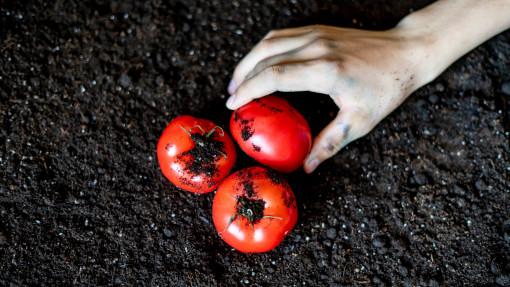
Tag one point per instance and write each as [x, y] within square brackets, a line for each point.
[86, 89]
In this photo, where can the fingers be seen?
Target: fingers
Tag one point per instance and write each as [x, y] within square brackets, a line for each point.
[314, 49]
[331, 139]
[313, 76]
[274, 43]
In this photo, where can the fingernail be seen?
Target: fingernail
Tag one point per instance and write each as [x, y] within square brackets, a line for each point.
[313, 164]
[232, 87]
[231, 100]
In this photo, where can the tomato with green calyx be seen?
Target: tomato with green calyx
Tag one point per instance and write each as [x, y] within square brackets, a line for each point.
[272, 132]
[254, 209]
[195, 154]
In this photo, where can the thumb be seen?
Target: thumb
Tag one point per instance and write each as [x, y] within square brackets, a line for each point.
[330, 140]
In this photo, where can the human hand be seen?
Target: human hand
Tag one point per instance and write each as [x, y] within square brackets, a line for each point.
[366, 73]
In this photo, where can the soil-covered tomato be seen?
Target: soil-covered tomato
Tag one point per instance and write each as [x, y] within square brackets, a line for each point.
[195, 154]
[272, 132]
[254, 209]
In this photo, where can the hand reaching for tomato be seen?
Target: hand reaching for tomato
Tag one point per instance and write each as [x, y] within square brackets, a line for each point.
[362, 71]
[367, 74]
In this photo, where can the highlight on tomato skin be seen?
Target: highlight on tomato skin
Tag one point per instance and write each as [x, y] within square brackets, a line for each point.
[195, 154]
[254, 209]
[272, 132]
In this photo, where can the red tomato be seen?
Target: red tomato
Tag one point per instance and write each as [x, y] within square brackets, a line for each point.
[254, 209]
[272, 132]
[195, 154]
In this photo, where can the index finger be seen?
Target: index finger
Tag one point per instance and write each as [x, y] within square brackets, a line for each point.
[312, 76]
[274, 43]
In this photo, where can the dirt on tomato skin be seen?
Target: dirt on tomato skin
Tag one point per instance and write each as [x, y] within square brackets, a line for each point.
[195, 185]
[247, 132]
[246, 126]
[288, 199]
[287, 195]
[247, 129]
[87, 87]
[277, 178]
[273, 110]
[202, 158]
[248, 189]
[246, 184]
[237, 117]
[249, 208]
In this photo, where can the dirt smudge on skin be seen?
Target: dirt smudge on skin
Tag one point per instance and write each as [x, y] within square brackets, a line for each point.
[247, 132]
[288, 199]
[276, 178]
[202, 158]
[237, 117]
[188, 182]
[251, 209]
[248, 187]
[287, 195]
[246, 126]
[274, 110]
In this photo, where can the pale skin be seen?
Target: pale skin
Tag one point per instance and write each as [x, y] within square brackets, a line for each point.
[368, 74]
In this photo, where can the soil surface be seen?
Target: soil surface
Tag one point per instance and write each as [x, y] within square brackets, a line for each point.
[87, 87]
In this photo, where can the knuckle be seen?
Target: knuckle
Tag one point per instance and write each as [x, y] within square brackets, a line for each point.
[336, 67]
[343, 128]
[274, 33]
[333, 70]
[265, 44]
[330, 64]
[270, 34]
[319, 63]
[331, 144]
[275, 71]
[317, 28]
[322, 44]
[330, 147]
[260, 66]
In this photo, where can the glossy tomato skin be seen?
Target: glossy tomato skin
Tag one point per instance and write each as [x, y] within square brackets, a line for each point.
[177, 151]
[279, 215]
[272, 132]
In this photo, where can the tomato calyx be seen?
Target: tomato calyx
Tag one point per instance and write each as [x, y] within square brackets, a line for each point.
[250, 209]
[201, 141]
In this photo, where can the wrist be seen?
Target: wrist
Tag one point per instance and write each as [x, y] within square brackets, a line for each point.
[439, 34]
[421, 50]
[417, 52]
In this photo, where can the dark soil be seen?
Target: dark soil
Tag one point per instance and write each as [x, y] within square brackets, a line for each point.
[247, 128]
[251, 209]
[86, 89]
[201, 159]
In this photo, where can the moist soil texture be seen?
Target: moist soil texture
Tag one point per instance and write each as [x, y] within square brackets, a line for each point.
[87, 88]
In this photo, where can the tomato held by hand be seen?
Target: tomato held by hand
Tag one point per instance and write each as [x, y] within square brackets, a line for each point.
[254, 209]
[272, 132]
[195, 154]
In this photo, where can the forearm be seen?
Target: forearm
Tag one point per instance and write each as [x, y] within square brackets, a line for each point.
[444, 31]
